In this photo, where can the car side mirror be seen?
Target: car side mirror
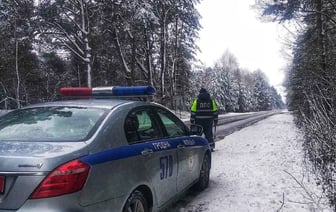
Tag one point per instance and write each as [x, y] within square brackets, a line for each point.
[196, 129]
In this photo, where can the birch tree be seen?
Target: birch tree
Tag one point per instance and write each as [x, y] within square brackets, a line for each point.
[66, 23]
[16, 33]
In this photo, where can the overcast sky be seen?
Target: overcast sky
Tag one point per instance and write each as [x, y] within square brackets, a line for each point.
[233, 25]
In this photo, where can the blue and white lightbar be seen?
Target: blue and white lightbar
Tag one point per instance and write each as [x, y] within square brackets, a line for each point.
[108, 91]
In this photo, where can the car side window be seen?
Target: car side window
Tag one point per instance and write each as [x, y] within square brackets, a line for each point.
[140, 126]
[174, 127]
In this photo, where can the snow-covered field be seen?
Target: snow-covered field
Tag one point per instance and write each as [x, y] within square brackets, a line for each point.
[260, 168]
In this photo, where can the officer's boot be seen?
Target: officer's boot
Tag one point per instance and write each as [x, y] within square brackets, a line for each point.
[212, 146]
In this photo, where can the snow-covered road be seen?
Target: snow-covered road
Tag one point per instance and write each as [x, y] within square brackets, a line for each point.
[259, 169]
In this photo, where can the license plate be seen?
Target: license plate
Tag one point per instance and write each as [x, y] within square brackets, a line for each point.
[2, 184]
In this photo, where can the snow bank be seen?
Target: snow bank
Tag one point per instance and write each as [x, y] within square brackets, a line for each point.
[260, 168]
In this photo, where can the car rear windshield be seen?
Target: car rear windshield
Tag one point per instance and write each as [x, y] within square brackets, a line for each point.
[50, 124]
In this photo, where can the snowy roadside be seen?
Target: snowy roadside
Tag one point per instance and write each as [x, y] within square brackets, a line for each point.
[260, 169]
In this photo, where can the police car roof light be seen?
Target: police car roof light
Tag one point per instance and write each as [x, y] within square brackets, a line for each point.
[76, 91]
[129, 91]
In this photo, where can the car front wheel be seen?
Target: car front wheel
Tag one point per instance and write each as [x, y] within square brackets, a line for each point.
[136, 203]
[203, 181]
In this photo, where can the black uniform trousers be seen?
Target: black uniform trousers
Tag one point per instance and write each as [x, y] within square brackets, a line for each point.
[207, 125]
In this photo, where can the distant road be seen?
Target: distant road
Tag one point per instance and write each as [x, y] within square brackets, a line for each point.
[232, 123]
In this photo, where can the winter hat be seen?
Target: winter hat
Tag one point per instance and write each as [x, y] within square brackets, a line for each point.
[203, 90]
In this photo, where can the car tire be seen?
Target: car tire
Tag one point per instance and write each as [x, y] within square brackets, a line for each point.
[136, 203]
[204, 177]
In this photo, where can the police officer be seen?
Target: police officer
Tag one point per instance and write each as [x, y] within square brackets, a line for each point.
[204, 112]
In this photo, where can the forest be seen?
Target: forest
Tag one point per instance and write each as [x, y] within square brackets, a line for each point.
[48, 44]
[311, 80]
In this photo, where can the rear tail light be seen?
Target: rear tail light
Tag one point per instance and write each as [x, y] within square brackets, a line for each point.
[65, 179]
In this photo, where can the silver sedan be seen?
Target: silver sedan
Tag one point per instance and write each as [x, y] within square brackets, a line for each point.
[98, 154]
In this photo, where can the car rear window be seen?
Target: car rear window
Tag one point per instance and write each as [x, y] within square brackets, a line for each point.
[50, 124]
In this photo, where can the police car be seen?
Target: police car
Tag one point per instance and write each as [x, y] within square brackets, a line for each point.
[99, 153]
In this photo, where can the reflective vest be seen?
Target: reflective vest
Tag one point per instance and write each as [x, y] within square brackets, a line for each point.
[206, 110]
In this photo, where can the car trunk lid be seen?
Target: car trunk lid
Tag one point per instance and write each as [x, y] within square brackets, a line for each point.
[23, 166]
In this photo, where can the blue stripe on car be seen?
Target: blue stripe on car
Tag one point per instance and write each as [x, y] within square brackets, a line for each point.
[136, 149]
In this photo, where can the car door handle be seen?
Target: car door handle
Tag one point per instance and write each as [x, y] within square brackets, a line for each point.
[147, 152]
[180, 146]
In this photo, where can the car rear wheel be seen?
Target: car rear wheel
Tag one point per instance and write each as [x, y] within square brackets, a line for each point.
[136, 203]
[203, 180]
